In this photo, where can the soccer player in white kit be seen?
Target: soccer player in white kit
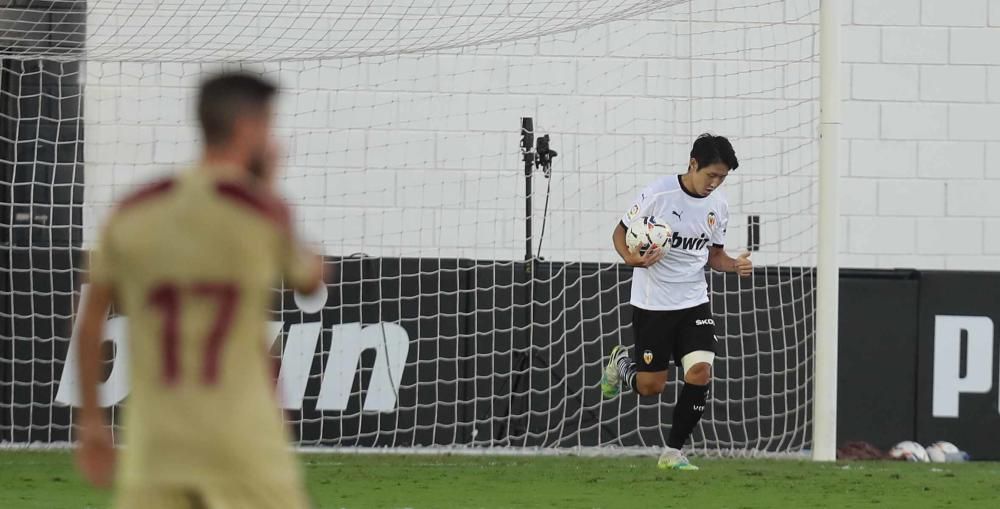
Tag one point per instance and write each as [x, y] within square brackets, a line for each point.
[671, 315]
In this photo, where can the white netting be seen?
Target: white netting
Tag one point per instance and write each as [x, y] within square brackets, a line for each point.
[255, 30]
[408, 152]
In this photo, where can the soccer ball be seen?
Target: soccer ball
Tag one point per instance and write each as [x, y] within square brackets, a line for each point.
[909, 451]
[945, 452]
[646, 231]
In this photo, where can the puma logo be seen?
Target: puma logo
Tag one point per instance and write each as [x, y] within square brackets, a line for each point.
[678, 214]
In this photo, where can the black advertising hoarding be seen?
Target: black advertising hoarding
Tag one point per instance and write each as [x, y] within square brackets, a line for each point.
[958, 382]
[390, 327]
[419, 352]
[877, 356]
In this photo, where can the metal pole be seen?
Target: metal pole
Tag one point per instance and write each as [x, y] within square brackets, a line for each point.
[528, 154]
[827, 268]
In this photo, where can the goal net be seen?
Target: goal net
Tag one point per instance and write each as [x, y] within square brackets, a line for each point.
[401, 127]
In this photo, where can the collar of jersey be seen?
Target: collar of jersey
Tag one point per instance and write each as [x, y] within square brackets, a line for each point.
[680, 182]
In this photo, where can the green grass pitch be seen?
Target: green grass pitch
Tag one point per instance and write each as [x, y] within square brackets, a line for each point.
[47, 480]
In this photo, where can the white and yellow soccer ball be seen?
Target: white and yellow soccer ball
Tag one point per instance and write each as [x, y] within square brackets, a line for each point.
[909, 451]
[646, 231]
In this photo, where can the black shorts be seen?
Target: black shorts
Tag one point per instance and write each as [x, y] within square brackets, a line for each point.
[660, 335]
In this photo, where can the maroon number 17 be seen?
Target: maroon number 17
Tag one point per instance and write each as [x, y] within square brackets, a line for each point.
[167, 298]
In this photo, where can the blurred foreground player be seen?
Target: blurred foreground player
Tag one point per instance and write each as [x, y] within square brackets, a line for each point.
[191, 261]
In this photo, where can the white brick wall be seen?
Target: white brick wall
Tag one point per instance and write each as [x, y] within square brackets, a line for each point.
[882, 158]
[972, 13]
[935, 178]
[974, 121]
[991, 236]
[914, 121]
[992, 156]
[886, 12]
[973, 199]
[881, 235]
[885, 82]
[954, 83]
[910, 197]
[914, 45]
[861, 43]
[975, 46]
[949, 236]
[993, 84]
[421, 150]
[949, 160]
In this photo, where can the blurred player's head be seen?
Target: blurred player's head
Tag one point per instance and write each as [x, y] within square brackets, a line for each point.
[712, 158]
[235, 113]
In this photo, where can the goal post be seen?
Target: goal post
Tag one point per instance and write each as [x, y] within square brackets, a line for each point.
[400, 122]
[828, 268]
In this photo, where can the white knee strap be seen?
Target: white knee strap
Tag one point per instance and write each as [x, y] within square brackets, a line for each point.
[695, 357]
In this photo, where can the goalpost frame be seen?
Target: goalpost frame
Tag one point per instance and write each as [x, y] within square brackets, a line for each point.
[827, 267]
[471, 297]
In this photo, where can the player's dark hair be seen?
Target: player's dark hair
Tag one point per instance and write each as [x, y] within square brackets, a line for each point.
[227, 96]
[709, 149]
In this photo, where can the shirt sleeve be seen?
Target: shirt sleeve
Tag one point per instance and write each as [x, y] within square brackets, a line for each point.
[104, 264]
[637, 208]
[297, 262]
[719, 233]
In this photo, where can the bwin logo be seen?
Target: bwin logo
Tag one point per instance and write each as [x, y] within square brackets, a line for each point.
[389, 340]
[678, 242]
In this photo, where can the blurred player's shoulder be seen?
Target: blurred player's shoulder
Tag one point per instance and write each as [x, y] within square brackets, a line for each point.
[197, 189]
[262, 203]
[142, 199]
[147, 193]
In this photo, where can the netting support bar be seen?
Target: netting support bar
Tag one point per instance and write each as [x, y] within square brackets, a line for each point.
[827, 267]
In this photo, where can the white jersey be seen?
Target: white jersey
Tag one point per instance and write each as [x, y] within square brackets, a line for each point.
[698, 222]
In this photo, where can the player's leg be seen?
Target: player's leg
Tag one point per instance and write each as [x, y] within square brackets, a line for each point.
[623, 370]
[691, 404]
[693, 398]
[646, 374]
[612, 378]
[695, 351]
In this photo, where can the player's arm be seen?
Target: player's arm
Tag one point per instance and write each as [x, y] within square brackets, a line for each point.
[717, 257]
[91, 332]
[653, 254]
[95, 454]
[633, 259]
[302, 267]
[311, 278]
[722, 262]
